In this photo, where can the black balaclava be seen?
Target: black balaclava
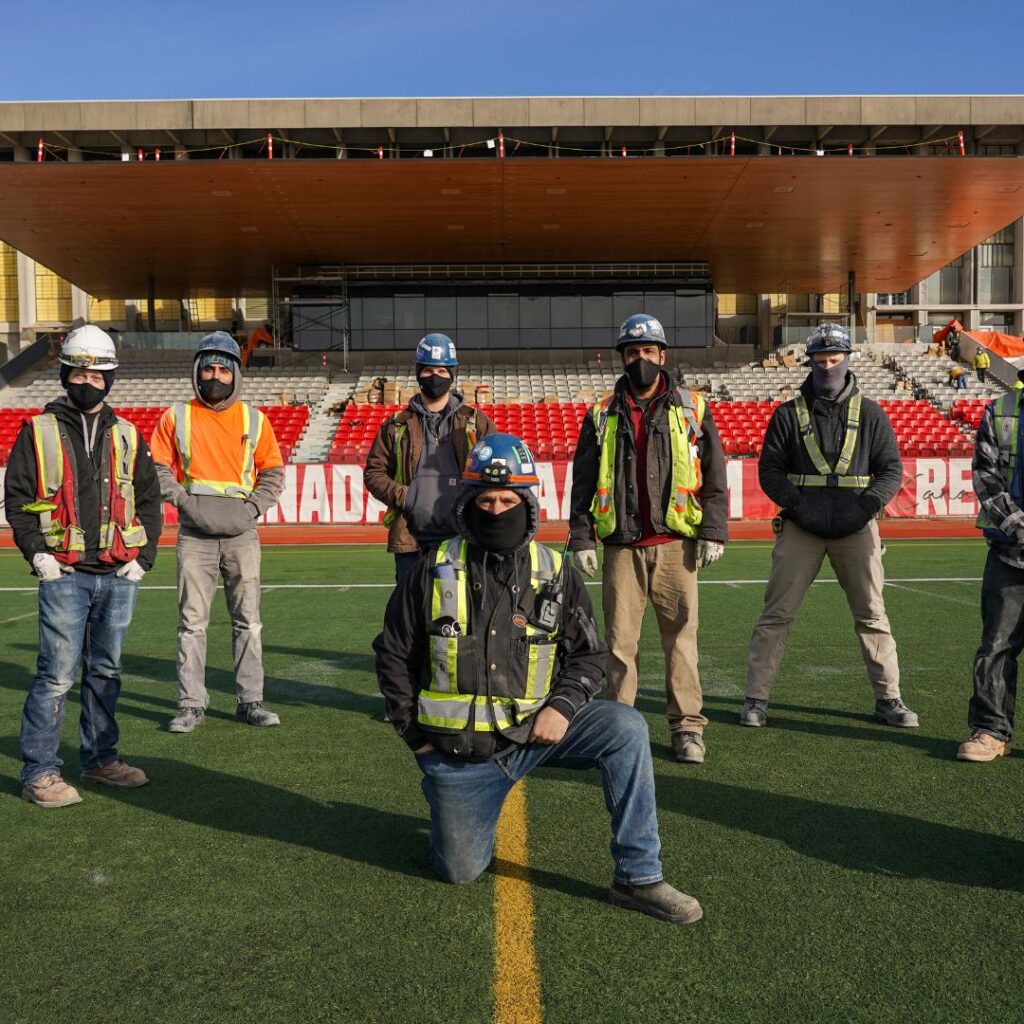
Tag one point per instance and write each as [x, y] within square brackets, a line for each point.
[86, 396]
[432, 385]
[499, 534]
[828, 382]
[642, 373]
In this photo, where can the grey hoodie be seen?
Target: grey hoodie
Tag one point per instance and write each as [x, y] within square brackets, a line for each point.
[210, 515]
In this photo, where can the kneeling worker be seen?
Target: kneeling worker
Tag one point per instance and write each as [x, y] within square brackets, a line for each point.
[489, 659]
[831, 462]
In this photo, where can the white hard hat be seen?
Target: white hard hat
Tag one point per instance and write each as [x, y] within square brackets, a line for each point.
[89, 348]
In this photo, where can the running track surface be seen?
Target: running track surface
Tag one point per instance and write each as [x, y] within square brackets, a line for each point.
[746, 530]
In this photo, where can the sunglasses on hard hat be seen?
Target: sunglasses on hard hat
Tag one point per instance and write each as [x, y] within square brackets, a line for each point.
[79, 359]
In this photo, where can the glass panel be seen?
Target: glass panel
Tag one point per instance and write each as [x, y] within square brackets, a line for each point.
[471, 311]
[661, 305]
[626, 304]
[502, 311]
[566, 311]
[440, 314]
[597, 312]
[409, 313]
[378, 314]
[534, 311]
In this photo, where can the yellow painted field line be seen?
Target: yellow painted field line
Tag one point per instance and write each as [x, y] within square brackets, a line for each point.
[516, 981]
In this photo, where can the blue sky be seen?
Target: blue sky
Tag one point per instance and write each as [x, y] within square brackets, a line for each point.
[111, 49]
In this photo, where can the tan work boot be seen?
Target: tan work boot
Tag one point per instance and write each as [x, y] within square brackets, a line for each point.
[50, 791]
[688, 747]
[982, 747]
[117, 773]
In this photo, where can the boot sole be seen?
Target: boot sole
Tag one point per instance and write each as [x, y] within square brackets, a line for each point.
[982, 759]
[753, 725]
[179, 729]
[690, 916]
[48, 804]
[258, 725]
[895, 725]
[111, 782]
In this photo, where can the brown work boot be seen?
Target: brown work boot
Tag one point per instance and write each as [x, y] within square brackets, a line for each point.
[50, 791]
[117, 773]
[982, 747]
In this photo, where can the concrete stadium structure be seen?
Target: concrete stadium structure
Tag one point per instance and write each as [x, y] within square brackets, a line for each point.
[529, 223]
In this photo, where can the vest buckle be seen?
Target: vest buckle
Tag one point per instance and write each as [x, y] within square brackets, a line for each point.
[832, 480]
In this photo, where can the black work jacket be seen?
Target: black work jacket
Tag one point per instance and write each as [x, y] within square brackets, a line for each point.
[21, 484]
[830, 511]
[657, 475]
[403, 652]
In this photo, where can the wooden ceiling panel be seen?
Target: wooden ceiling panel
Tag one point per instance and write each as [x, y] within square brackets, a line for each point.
[764, 224]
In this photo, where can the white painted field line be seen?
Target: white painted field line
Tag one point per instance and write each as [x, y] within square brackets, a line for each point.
[931, 594]
[589, 583]
[18, 618]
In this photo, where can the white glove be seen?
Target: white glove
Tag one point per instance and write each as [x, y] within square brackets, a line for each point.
[587, 561]
[131, 571]
[708, 552]
[46, 567]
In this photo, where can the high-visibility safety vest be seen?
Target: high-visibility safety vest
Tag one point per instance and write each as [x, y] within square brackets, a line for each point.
[401, 429]
[56, 504]
[829, 476]
[252, 427]
[453, 702]
[981, 360]
[1006, 416]
[684, 513]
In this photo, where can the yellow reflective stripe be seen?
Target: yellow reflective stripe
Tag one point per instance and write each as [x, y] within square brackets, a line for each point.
[807, 433]
[49, 452]
[452, 710]
[850, 441]
[602, 508]
[182, 414]
[250, 442]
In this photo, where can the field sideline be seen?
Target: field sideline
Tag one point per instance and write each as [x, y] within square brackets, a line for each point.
[849, 872]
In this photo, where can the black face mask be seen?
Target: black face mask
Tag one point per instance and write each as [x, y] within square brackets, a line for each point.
[214, 391]
[829, 381]
[500, 534]
[642, 373]
[434, 386]
[85, 396]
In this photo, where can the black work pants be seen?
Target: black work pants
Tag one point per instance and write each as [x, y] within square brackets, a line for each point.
[1002, 640]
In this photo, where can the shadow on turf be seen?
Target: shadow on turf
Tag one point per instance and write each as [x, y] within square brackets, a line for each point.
[231, 803]
[871, 729]
[279, 690]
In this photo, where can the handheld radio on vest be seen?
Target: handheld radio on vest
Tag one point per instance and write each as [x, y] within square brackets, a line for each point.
[548, 607]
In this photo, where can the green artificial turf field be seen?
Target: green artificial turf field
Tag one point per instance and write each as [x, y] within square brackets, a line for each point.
[849, 872]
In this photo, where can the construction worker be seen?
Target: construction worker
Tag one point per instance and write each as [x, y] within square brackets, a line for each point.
[489, 659]
[999, 484]
[649, 480]
[220, 466]
[981, 361]
[83, 500]
[831, 463]
[415, 462]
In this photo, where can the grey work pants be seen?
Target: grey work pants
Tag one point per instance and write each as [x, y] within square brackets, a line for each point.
[201, 559]
[665, 575]
[796, 560]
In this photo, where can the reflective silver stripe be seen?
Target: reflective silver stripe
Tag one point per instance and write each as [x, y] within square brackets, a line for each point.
[182, 415]
[832, 480]
[49, 451]
[850, 441]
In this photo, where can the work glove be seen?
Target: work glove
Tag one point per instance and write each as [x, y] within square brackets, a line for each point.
[708, 552]
[587, 561]
[47, 568]
[131, 571]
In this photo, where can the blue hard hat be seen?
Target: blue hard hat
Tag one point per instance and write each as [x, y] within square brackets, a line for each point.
[221, 343]
[638, 329]
[501, 460]
[829, 337]
[436, 350]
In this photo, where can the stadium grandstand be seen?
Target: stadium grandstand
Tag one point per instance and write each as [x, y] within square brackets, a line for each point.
[329, 235]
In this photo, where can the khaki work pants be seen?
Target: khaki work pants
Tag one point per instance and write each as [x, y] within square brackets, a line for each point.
[796, 560]
[665, 575]
[201, 560]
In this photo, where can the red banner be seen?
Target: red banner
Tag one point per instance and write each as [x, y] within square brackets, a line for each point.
[323, 493]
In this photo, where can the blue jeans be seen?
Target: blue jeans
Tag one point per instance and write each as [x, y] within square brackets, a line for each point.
[465, 798]
[81, 617]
